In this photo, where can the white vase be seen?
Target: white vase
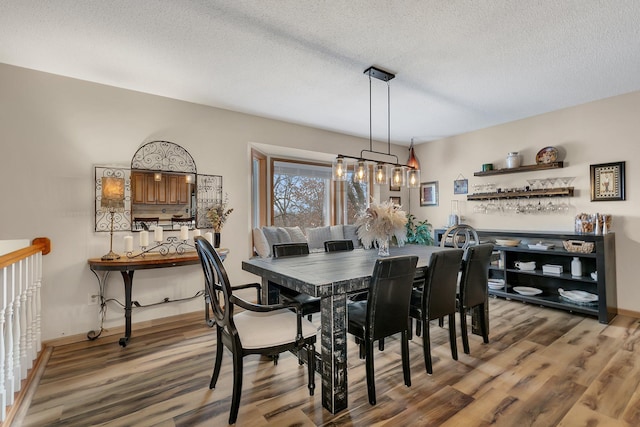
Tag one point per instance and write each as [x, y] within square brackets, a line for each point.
[576, 267]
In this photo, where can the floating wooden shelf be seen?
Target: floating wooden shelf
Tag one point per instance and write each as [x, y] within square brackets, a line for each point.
[525, 168]
[546, 192]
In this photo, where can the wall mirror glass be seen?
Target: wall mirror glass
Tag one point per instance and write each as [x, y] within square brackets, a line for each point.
[162, 189]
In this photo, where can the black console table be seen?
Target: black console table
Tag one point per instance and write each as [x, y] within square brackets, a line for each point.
[601, 260]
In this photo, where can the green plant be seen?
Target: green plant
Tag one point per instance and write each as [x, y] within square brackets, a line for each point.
[418, 232]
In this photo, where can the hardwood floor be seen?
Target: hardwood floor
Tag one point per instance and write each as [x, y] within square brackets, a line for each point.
[542, 367]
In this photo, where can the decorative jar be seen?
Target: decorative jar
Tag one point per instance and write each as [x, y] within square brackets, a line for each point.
[513, 160]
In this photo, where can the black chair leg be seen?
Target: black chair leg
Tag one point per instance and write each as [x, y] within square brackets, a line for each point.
[406, 368]
[381, 344]
[426, 347]
[418, 328]
[452, 336]
[441, 322]
[311, 360]
[237, 387]
[483, 324]
[410, 328]
[463, 328]
[218, 362]
[371, 384]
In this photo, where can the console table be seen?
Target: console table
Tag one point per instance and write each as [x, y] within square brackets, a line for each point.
[601, 260]
[127, 266]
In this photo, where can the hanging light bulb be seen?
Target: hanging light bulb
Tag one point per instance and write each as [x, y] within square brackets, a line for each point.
[361, 173]
[381, 174]
[413, 178]
[397, 176]
[339, 169]
[413, 175]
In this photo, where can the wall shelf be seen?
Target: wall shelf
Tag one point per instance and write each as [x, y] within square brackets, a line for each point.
[525, 168]
[545, 192]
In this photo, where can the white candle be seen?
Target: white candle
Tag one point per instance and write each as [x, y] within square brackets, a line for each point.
[144, 238]
[196, 232]
[157, 233]
[128, 243]
[184, 233]
[209, 237]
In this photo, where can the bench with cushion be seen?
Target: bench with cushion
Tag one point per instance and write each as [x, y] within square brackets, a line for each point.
[265, 237]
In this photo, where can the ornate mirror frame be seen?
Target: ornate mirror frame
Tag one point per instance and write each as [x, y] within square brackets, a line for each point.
[162, 156]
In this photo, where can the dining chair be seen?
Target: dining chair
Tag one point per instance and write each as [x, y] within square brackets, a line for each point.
[309, 304]
[259, 329]
[384, 313]
[459, 236]
[437, 299]
[473, 289]
[338, 245]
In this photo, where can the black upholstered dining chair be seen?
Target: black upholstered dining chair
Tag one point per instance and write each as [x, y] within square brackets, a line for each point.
[309, 305]
[338, 245]
[281, 250]
[259, 329]
[473, 288]
[437, 298]
[384, 313]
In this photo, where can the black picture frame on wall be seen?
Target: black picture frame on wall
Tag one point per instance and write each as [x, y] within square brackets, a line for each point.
[607, 182]
[429, 193]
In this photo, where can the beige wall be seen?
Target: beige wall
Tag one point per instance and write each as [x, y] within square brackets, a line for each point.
[54, 130]
[598, 132]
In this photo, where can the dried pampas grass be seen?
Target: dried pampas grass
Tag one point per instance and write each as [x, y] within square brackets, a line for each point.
[380, 221]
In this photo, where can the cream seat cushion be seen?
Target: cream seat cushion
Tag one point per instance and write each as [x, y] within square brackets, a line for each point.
[270, 329]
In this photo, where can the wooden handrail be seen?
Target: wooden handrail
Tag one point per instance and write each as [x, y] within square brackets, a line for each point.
[39, 244]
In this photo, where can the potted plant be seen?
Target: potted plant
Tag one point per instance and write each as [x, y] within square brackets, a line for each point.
[218, 215]
[419, 232]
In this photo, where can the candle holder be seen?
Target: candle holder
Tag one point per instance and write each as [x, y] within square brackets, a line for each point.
[172, 246]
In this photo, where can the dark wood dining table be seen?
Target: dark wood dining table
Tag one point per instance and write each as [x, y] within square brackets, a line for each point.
[330, 276]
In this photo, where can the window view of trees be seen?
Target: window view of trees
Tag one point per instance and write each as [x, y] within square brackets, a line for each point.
[299, 200]
[302, 196]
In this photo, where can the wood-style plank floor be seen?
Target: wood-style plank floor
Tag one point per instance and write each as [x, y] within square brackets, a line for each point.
[542, 367]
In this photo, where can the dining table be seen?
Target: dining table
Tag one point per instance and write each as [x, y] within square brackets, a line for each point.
[331, 276]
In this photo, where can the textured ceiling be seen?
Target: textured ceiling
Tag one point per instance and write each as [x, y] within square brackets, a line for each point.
[460, 65]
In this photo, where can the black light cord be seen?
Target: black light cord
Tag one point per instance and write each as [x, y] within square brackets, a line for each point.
[93, 335]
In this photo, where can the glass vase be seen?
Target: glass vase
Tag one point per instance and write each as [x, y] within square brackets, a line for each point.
[383, 246]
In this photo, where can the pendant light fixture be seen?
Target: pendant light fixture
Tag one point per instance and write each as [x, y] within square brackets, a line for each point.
[413, 174]
[383, 172]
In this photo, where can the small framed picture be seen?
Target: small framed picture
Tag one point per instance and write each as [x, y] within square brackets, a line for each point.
[461, 186]
[607, 182]
[429, 193]
[395, 200]
[393, 187]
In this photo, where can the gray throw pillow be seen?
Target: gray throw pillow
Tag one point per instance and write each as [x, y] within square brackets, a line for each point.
[317, 236]
[351, 233]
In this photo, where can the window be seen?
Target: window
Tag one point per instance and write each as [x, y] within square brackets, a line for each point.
[304, 195]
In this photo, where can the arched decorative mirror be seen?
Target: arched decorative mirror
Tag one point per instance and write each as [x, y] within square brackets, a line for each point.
[162, 189]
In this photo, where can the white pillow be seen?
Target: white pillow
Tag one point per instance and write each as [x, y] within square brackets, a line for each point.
[317, 236]
[260, 243]
[296, 235]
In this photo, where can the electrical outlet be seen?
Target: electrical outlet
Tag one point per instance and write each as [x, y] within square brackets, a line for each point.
[92, 299]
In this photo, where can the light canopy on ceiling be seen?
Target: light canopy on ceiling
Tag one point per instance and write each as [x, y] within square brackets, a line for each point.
[399, 174]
